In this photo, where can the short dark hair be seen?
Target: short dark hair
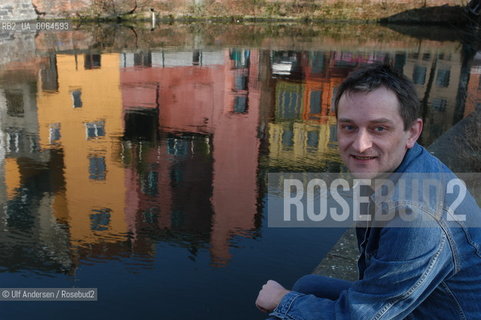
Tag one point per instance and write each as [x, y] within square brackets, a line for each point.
[372, 77]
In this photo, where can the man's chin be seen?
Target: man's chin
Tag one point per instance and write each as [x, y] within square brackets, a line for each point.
[365, 175]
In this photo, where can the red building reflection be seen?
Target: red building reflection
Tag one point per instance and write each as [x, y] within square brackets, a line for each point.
[200, 180]
[473, 100]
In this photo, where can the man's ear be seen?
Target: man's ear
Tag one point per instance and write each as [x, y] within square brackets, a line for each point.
[414, 132]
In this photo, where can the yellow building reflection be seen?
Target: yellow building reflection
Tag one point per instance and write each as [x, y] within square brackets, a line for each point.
[300, 138]
[80, 112]
[12, 177]
[299, 144]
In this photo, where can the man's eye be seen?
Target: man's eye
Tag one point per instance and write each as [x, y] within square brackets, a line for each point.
[347, 127]
[379, 129]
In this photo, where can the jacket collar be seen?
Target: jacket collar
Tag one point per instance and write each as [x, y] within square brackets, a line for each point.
[411, 154]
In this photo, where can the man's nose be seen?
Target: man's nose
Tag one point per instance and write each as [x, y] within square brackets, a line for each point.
[362, 141]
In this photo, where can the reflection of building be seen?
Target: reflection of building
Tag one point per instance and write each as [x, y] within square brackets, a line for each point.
[79, 112]
[323, 74]
[305, 86]
[435, 73]
[169, 186]
[236, 151]
[209, 105]
[19, 126]
[29, 233]
[285, 63]
[303, 132]
[351, 60]
[302, 145]
[173, 154]
[473, 101]
[19, 120]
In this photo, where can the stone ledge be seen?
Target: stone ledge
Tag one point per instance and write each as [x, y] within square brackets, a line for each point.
[341, 260]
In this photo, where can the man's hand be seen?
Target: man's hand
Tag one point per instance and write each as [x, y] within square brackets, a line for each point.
[270, 296]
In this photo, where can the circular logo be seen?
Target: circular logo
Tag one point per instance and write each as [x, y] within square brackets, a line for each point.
[5, 293]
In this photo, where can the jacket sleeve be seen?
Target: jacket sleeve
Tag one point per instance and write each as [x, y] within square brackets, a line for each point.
[406, 267]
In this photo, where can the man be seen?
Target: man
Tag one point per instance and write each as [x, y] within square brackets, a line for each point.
[424, 267]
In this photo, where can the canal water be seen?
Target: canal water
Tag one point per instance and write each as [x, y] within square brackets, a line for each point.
[134, 159]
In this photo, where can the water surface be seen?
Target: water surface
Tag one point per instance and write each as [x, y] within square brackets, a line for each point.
[135, 160]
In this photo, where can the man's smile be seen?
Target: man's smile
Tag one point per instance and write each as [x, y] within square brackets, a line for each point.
[359, 157]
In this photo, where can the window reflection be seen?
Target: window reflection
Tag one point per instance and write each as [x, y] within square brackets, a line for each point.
[176, 175]
[312, 139]
[92, 61]
[413, 55]
[284, 62]
[143, 59]
[288, 138]
[333, 136]
[15, 104]
[97, 168]
[77, 98]
[240, 104]
[439, 104]
[317, 62]
[141, 124]
[33, 143]
[100, 219]
[95, 129]
[150, 215]
[400, 61]
[197, 57]
[149, 183]
[444, 56]
[419, 75]
[54, 133]
[14, 138]
[442, 80]
[49, 75]
[240, 81]
[315, 101]
[289, 105]
[178, 147]
[240, 58]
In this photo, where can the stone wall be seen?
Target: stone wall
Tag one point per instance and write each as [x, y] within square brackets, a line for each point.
[17, 10]
[48, 9]
[419, 3]
[60, 8]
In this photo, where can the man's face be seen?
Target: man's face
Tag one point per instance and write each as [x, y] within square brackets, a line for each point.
[371, 135]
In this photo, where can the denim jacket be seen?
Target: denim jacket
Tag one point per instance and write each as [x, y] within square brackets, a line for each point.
[411, 272]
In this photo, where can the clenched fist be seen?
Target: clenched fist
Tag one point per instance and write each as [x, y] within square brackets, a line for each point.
[270, 296]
